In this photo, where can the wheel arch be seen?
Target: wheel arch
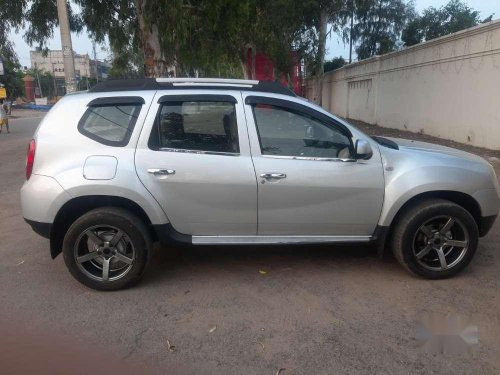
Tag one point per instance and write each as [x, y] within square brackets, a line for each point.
[464, 200]
[78, 206]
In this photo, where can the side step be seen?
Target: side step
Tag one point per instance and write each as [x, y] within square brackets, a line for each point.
[167, 234]
[275, 240]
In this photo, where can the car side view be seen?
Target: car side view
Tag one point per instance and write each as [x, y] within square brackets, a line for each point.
[112, 170]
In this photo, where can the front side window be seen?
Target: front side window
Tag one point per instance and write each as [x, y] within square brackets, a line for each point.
[110, 124]
[198, 126]
[285, 132]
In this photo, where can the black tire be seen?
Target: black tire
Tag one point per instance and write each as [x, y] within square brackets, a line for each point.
[409, 238]
[135, 244]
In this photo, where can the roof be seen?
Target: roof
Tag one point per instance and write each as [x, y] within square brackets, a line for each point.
[114, 85]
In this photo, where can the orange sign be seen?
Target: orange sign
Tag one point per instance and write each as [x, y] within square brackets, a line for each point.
[3, 93]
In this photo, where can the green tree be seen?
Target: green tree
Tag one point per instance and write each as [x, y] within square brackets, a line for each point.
[12, 78]
[434, 23]
[117, 22]
[44, 81]
[335, 63]
[377, 25]
[197, 37]
[164, 37]
[213, 37]
[322, 17]
[206, 37]
[39, 17]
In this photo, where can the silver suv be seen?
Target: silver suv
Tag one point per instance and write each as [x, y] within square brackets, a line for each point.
[238, 162]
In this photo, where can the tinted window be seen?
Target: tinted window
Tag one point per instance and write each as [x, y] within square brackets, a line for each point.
[285, 132]
[199, 126]
[110, 124]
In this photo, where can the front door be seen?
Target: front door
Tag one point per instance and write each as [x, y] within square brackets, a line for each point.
[308, 181]
[194, 158]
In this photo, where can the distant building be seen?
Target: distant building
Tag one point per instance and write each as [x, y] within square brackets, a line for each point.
[53, 63]
[102, 68]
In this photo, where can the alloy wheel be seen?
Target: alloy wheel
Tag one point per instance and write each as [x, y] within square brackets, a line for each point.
[440, 243]
[104, 253]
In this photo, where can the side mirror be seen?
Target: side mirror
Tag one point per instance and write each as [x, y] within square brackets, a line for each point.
[363, 149]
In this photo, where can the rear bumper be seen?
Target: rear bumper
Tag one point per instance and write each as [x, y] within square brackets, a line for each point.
[42, 229]
[486, 224]
[41, 198]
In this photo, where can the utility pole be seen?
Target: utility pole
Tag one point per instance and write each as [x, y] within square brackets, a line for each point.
[67, 48]
[350, 36]
[39, 85]
[95, 62]
[323, 26]
[54, 78]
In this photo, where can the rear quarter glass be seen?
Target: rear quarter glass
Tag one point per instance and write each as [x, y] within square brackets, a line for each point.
[110, 124]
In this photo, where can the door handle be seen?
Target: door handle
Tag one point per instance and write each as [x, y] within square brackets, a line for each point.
[161, 172]
[273, 175]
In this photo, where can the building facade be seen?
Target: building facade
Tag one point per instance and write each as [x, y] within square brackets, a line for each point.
[53, 63]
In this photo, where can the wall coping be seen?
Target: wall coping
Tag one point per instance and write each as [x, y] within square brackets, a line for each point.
[492, 25]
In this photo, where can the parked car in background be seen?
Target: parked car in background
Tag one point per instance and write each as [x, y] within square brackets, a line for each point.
[237, 162]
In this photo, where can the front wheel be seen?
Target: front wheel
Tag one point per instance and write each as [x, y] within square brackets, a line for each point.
[107, 248]
[435, 238]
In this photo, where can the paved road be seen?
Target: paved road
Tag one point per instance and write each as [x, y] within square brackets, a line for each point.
[316, 310]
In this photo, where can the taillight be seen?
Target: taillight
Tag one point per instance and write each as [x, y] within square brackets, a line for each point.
[30, 158]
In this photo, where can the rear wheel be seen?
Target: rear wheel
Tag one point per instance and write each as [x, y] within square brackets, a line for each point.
[107, 248]
[435, 238]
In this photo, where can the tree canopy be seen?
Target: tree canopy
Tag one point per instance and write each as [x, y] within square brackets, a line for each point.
[437, 22]
[214, 37]
[38, 17]
[335, 63]
[184, 36]
[377, 25]
[12, 69]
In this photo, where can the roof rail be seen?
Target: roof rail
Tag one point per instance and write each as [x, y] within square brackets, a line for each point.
[225, 81]
[112, 85]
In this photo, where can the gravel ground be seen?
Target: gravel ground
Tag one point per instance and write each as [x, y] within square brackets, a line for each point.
[235, 310]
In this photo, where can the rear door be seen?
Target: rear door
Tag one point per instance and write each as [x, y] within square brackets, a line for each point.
[194, 158]
[309, 183]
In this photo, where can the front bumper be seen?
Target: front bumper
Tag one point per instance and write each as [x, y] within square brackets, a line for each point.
[42, 229]
[486, 224]
[489, 201]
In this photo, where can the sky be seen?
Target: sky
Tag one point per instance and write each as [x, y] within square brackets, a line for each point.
[335, 47]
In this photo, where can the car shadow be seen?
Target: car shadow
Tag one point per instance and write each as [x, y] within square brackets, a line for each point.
[184, 261]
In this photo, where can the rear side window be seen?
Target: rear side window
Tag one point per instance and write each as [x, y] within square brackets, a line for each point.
[198, 126]
[110, 124]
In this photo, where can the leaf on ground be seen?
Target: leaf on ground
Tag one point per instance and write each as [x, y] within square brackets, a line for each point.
[279, 371]
[212, 329]
[170, 346]
[21, 262]
[262, 272]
